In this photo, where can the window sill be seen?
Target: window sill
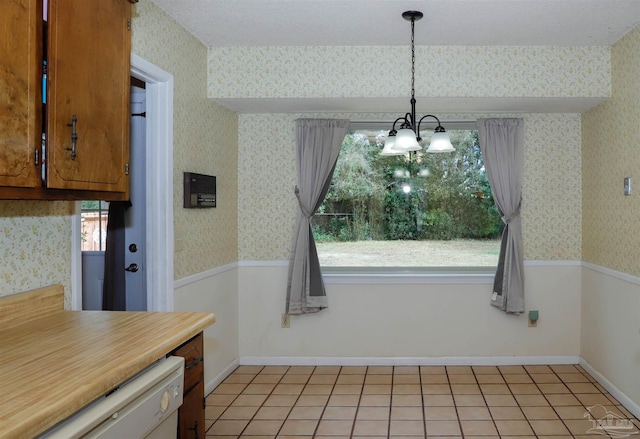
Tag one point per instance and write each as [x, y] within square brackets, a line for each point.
[408, 275]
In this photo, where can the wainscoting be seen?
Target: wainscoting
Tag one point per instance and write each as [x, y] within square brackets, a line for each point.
[588, 316]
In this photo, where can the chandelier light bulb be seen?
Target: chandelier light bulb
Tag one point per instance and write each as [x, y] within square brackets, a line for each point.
[440, 142]
[388, 146]
[406, 141]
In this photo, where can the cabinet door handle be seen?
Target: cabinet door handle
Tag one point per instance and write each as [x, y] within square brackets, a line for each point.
[194, 363]
[74, 136]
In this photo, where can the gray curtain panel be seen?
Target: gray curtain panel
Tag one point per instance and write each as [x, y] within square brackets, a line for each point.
[319, 142]
[114, 286]
[502, 145]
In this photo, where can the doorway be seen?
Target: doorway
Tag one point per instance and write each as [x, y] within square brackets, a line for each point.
[158, 205]
[94, 219]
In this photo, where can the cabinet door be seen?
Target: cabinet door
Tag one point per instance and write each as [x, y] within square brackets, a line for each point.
[191, 414]
[88, 69]
[193, 353]
[20, 70]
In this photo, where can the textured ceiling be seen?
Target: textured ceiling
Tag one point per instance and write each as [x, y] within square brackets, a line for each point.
[224, 23]
[221, 23]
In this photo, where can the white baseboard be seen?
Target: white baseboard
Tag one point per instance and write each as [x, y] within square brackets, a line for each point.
[629, 404]
[218, 379]
[408, 361]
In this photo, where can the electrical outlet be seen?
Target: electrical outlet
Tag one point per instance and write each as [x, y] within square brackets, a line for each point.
[627, 185]
[284, 321]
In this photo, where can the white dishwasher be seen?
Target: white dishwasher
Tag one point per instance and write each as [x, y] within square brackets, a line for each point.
[145, 406]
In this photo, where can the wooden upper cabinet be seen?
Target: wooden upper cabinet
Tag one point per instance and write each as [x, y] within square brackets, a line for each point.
[20, 94]
[88, 57]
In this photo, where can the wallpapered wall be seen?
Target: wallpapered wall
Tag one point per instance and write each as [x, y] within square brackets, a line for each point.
[551, 209]
[35, 245]
[553, 204]
[205, 139]
[448, 71]
[611, 151]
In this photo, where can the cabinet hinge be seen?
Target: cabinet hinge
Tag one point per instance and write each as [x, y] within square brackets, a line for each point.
[128, 24]
[36, 157]
[126, 168]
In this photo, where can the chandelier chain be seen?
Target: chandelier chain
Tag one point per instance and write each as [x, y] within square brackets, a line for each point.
[413, 59]
[406, 139]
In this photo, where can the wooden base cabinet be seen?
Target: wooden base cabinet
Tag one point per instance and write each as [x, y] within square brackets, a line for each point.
[191, 413]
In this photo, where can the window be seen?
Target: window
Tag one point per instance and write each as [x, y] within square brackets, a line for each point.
[93, 216]
[414, 210]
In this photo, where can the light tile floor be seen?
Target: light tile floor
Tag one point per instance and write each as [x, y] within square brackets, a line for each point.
[557, 401]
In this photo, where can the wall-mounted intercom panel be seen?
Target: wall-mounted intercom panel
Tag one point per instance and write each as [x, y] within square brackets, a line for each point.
[199, 190]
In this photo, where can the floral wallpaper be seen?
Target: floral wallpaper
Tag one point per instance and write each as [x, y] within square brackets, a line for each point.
[256, 167]
[35, 245]
[552, 207]
[611, 152]
[551, 189]
[266, 178]
[205, 141]
[552, 202]
[475, 71]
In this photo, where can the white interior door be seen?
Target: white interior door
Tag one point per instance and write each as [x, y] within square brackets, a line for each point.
[135, 216]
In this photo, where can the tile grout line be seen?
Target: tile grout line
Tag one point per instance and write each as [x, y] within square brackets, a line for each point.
[262, 405]
[326, 404]
[424, 415]
[485, 399]
[589, 380]
[232, 401]
[393, 378]
[421, 384]
[453, 398]
[335, 383]
[550, 404]
[544, 395]
[294, 403]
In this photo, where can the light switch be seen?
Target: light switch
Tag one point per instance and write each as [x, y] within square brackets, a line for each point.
[627, 185]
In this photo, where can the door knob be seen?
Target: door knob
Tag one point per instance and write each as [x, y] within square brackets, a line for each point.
[132, 268]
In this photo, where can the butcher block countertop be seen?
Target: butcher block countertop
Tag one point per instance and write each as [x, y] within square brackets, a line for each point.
[54, 362]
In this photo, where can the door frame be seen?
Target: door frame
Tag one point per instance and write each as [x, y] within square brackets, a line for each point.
[159, 197]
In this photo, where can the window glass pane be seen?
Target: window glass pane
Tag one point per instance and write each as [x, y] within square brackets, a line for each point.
[413, 210]
[93, 216]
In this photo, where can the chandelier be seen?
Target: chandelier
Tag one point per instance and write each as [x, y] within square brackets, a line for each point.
[407, 137]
